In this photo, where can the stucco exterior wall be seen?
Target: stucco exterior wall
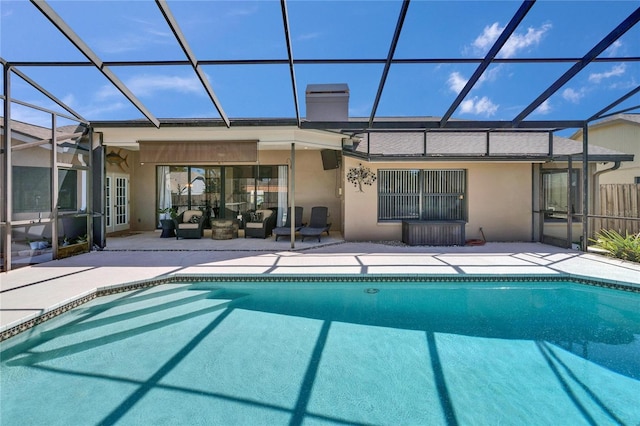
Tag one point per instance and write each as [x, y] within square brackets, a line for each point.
[498, 195]
[314, 186]
[620, 135]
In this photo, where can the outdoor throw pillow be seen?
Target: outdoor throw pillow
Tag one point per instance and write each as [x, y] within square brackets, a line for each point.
[256, 217]
[194, 219]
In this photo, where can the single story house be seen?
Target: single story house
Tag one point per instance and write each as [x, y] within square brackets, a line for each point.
[464, 184]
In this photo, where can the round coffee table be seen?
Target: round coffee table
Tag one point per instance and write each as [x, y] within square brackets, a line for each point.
[224, 229]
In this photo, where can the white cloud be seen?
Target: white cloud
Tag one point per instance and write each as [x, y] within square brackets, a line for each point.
[456, 82]
[624, 85]
[613, 49]
[515, 43]
[147, 85]
[69, 100]
[104, 108]
[573, 96]
[107, 91]
[308, 36]
[485, 40]
[479, 106]
[146, 35]
[544, 108]
[243, 11]
[616, 71]
[29, 115]
[490, 74]
[518, 42]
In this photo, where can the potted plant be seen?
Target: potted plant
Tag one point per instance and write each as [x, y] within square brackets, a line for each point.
[73, 245]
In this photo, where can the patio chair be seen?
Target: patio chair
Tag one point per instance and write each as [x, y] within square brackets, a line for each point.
[189, 224]
[285, 230]
[317, 224]
[260, 223]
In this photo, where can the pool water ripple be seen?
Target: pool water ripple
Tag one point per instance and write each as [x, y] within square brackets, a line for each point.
[332, 353]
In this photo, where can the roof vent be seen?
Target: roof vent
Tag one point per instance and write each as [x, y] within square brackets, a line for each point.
[327, 102]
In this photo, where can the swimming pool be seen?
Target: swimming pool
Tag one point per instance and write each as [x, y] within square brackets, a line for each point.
[368, 351]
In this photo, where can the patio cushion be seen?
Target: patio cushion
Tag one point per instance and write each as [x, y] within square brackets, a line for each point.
[187, 215]
[255, 217]
[259, 223]
[188, 225]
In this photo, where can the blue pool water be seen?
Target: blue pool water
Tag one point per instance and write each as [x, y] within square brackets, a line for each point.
[332, 353]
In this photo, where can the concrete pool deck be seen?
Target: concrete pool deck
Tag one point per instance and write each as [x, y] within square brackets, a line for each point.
[31, 291]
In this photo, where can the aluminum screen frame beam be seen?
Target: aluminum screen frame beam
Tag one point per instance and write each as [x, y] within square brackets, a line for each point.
[462, 125]
[617, 32]
[326, 61]
[517, 18]
[66, 30]
[387, 65]
[287, 36]
[182, 41]
[49, 95]
[600, 113]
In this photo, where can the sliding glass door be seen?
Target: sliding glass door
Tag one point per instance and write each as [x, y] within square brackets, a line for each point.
[220, 191]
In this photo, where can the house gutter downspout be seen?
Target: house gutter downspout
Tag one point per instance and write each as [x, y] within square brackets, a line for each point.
[596, 192]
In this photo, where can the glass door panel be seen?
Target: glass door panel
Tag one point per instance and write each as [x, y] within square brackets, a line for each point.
[204, 190]
[179, 186]
[240, 191]
[221, 191]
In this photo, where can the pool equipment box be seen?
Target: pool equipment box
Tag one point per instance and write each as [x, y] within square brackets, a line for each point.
[433, 232]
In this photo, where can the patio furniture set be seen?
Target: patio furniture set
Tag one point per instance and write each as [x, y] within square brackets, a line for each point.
[258, 224]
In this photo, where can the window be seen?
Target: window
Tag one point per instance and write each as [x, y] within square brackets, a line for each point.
[32, 189]
[555, 202]
[422, 194]
[68, 190]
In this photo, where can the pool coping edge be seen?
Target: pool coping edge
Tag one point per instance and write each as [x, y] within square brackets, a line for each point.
[25, 324]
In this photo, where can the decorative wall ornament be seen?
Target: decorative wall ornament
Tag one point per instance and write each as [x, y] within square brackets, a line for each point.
[116, 159]
[361, 175]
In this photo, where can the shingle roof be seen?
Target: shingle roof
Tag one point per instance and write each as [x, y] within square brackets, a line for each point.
[38, 132]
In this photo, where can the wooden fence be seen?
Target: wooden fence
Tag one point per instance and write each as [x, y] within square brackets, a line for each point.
[618, 209]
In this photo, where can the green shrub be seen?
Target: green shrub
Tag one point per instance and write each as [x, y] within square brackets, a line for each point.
[625, 248]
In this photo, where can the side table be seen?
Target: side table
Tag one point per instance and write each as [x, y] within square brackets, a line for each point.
[168, 228]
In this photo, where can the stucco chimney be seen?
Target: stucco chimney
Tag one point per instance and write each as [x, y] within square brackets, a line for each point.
[327, 102]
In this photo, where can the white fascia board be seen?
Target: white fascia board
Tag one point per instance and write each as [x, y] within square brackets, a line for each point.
[268, 137]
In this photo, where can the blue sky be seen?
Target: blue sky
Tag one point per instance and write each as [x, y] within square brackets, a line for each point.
[223, 30]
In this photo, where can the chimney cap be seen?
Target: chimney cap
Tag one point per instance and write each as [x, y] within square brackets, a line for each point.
[327, 88]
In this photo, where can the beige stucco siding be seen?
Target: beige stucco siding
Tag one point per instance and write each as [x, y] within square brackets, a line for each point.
[314, 186]
[625, 138]
[620, 135]
[499, 201]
